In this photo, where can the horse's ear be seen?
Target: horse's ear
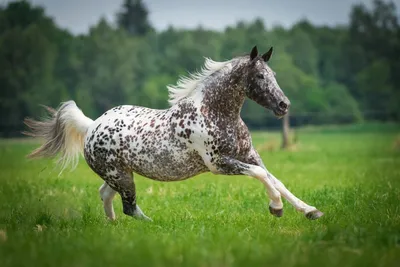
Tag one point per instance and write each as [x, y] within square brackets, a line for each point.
[253, 53]
[267, 55]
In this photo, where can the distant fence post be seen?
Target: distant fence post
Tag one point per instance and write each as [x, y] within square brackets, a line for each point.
[285, 131]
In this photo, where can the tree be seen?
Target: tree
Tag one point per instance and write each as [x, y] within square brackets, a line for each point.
[374, 36]
[303, 52]
[28, 56]
[374, 81]
[134, 18]
[106, 75]
[285, 131]
[342, 107]
[328, 73]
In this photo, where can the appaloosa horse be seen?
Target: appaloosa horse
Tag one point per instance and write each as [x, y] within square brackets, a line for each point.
[201, 132]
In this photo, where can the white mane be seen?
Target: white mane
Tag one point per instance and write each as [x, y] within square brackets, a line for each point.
[186, 85]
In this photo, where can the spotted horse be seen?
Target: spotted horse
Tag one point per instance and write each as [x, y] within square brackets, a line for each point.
[201, 131]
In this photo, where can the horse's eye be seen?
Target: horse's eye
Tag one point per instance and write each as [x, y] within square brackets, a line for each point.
[260, 76]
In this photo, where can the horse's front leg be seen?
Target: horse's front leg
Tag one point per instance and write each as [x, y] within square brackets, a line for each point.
[231, 166]
[310, 212]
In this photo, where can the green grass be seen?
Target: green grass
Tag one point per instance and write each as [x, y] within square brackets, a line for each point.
[352, 174]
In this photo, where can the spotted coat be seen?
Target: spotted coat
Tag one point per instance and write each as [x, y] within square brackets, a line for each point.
[201, 132]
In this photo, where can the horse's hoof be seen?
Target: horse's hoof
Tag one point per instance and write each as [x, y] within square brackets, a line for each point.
[313, 215]
[147, 219]
[142, 218]
[276, 212]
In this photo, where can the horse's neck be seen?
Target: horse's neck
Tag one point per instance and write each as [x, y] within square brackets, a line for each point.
[223, 95]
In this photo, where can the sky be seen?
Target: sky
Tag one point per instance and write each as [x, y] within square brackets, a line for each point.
[78, 15]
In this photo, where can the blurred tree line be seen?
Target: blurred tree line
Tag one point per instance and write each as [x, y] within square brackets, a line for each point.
[339, 74]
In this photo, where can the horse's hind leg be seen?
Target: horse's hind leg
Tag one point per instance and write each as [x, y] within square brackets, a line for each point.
[123, 183]
[107, 195]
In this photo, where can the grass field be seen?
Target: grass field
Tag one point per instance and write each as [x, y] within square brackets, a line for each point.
[350, 173]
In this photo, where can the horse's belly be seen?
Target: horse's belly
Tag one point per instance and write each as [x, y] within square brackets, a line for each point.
[163, 166]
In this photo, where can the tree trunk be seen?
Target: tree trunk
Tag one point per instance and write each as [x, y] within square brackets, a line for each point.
[285, 131]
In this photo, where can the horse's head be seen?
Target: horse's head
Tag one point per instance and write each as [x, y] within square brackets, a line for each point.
[261, 85]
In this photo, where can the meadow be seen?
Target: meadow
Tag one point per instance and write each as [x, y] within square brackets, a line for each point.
[351, 173]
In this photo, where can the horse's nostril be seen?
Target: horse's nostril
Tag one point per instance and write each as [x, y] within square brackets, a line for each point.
[283, 105]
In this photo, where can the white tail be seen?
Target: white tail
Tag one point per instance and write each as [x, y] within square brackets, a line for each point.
[63, 132]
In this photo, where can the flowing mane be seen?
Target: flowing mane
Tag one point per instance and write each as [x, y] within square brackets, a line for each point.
[187, 84]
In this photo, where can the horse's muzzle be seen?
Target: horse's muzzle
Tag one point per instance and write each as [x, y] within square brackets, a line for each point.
[282, 108]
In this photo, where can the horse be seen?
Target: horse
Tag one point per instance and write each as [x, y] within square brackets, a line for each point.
[201, 131]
